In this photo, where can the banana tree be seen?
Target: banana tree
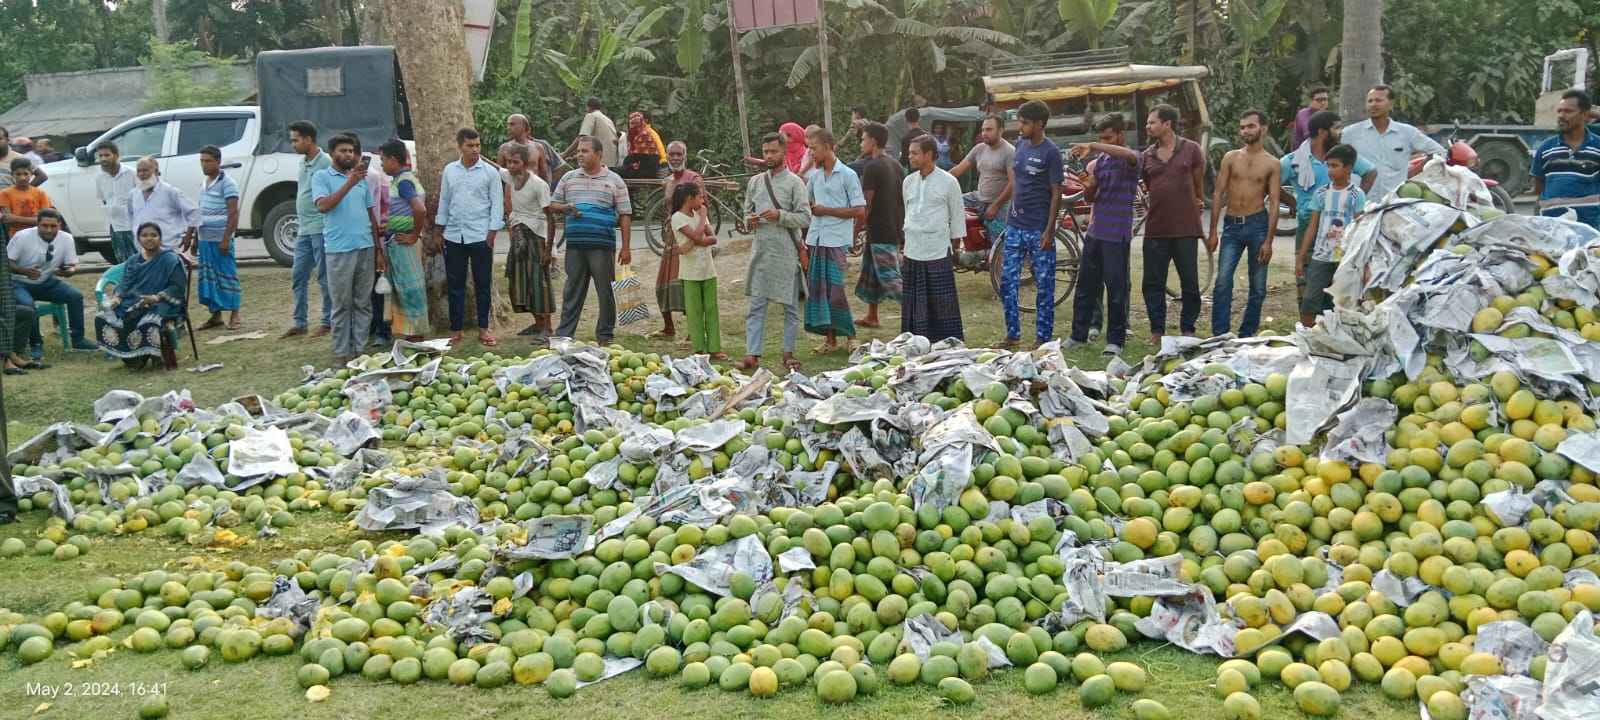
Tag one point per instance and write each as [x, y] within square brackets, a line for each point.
[580, 64]
[1253, 21]
[1088, 18]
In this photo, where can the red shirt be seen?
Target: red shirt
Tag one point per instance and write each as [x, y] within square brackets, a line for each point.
[1174, 212]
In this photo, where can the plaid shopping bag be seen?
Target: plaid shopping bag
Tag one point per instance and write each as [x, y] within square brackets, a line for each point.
[632, 301]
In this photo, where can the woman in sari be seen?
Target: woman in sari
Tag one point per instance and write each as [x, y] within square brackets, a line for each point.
[403, 246]
[139, 318]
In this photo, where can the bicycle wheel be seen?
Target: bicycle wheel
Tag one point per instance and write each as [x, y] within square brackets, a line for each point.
[655, 225]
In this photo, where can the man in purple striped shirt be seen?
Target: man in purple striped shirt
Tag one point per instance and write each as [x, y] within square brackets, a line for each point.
[1111, 187]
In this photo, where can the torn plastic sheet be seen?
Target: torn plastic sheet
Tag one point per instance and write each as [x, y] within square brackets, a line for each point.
[200, 470]
[1510, 506]
[289, 601]
[1572, 676]
[552, 537]
[614, 666]
[713, 569]
[463, 614]
[364, 461]
[50, 481]
[262, 452]
[1514, 643]
[923, 631]
[416, 503]
[709, 436]
[1191, 621]
[1359, 436]
[997, 654]
[56, 444]
[1501, 697]
[350, 432]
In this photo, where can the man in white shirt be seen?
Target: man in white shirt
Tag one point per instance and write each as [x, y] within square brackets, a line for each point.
[154, 201]
[1387, 143]
[40, 257]
[597, 125]
[935, 223]
[113, 187]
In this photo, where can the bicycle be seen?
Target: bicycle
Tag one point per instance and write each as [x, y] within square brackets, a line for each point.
[718, 180]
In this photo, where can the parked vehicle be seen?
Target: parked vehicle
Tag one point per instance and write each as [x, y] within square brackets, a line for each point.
[1505, 152]
[295, 84]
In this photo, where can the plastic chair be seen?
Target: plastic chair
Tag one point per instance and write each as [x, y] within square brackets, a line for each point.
[59, 312]
[112, 276]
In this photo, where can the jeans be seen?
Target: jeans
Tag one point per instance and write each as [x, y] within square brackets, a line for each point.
[308, 257]
[1020, 246]
[457, 256]
[755, 325]
[1104, 265]
[122, 245]
[52, 289]
[700, 308]
[586, 263]
[1240, 238]
[351, 278]
[1158, 254]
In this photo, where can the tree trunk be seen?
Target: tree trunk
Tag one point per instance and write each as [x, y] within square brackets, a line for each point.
[158, 13]
[333, 21]
[432, 50]
[1360, 56]
[372, 22]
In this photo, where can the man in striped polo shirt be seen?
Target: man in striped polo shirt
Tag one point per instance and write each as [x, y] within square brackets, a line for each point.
[1111, 187]
[595, 201]
[1566, 167]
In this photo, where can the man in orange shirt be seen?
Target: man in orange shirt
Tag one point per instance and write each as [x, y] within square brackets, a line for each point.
[20, 204]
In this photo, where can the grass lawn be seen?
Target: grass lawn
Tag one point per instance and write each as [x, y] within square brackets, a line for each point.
[265, 687]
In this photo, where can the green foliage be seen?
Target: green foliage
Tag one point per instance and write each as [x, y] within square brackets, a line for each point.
[174, 80]
[1088, 17]
[1253, 21]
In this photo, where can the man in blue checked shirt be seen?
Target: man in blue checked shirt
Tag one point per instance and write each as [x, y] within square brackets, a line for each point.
[471, 210]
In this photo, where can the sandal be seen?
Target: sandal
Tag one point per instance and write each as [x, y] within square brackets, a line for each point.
[824, 348]
[210, 325]
[34, 365]
[792, 364]
[659, 335]
[868, 325]
[722, 357]
[745, 365]
[236, 325]
[487, 340]
[1008, 343]
[15, 371]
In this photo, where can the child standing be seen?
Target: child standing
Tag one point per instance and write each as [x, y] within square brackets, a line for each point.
[1333, 208]
[694, 238]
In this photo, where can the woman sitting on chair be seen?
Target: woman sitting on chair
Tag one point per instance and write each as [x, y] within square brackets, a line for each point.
[138, 320]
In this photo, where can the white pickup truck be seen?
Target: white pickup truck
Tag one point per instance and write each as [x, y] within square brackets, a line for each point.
[174, 137]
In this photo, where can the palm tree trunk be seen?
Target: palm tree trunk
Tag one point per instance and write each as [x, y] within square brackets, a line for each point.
[333, 21]
[158, 13]
[1360, 56]
[432, 51]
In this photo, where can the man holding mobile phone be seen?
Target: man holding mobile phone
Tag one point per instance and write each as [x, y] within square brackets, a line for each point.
[351, 243]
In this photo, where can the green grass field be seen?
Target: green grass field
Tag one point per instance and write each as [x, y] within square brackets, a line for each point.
[265, 687]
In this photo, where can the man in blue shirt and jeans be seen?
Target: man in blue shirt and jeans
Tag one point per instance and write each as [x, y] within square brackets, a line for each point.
[1566, 168]
[472, 207]
[308, 250]
[1036, 176]
[351, 243]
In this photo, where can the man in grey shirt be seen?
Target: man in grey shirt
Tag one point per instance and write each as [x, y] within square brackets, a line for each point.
[597, 125]
[992, 158]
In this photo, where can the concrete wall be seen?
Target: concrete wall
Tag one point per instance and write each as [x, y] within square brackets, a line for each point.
[122, 82]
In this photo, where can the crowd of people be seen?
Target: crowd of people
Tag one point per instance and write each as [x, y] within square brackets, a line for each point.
[364, 231]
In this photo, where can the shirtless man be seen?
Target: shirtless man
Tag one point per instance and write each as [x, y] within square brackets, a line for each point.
[1246, 199]
[521, 133]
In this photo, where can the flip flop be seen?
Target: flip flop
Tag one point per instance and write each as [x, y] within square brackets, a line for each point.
[745, 365]
[824, 348]
[659, 335]
[792, 364]
[868, 325]
[236, 325]
[1008, 343]
[487, 340]
[722, 357]
[210, 325]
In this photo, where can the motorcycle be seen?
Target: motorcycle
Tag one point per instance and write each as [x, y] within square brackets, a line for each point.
[981, 249]
[1463, 155]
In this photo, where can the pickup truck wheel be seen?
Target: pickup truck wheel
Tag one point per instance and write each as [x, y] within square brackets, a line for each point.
[1506, 162]
[278, 232]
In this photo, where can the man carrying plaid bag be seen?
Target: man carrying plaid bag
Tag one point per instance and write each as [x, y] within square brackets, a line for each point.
[595, 201]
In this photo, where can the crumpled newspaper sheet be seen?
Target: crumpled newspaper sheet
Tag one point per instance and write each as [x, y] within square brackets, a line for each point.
[416, 503]
[50, 481]
[1514, 643]
[289, 601]
[351, 432]
[614, 666]
[1191, 621]
[363, 462]
[713, 569]
[56, 444]
[693, 371]
[1500, 697]
[116, 405]
[921, 632]
[1359, 436]
[552, 537]
[1572, 676]
[1382, 246]
[463, 614]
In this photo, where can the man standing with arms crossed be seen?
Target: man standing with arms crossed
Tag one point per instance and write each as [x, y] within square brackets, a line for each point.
[1035, 192]
[471, 210]
[1248, 175]
[308, 250]
[881, 180]
[1174, 173]
[112, 185]
[775, 204]
[1387, 143]
[1112, 184]
[596, 203]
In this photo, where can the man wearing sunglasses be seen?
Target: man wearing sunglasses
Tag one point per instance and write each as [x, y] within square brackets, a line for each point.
[41, 257]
